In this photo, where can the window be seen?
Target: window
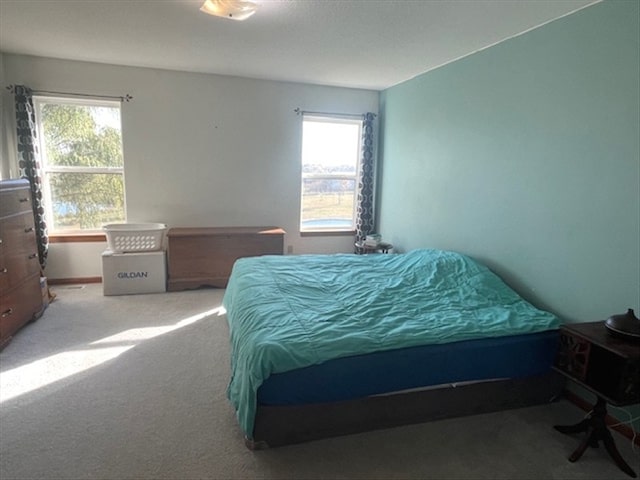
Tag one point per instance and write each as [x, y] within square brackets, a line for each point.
[330, 167]
[82, 163]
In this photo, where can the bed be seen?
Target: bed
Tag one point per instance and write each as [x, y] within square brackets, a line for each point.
[325, 345]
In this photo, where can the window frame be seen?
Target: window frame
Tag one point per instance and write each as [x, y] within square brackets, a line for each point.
[332, 119]
[47, 169]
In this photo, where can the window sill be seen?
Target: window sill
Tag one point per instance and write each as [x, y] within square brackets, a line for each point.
[328, 233]
[89, 237]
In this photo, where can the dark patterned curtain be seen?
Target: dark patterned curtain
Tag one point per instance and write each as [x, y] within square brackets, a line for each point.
[29, 163]
[365, 220]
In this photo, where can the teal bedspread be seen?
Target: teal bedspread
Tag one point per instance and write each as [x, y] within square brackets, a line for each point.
[289, 312]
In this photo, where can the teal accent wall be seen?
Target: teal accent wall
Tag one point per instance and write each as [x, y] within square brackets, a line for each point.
[526, 156]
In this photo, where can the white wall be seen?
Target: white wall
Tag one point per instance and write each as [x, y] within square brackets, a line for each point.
[199, 149]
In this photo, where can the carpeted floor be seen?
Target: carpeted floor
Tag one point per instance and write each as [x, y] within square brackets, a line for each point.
[133, 387]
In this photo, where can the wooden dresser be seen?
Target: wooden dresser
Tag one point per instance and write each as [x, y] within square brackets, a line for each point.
[205, 256]
[20, 293]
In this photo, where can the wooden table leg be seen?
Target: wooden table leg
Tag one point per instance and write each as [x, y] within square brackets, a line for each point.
[596, 429]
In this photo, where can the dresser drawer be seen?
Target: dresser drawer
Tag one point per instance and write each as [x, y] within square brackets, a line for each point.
[19, 305]
[18, 250]
[17, 232]
[15, 200]
[14, 270]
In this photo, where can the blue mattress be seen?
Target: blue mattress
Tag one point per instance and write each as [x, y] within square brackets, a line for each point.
[395, 370]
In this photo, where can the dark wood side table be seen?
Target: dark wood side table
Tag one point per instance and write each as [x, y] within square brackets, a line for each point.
[609, 367]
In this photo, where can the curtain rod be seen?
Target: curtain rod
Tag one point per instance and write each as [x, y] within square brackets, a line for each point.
[124, 98]
[334, 114]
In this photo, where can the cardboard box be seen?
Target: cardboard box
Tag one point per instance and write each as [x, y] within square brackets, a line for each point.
[131, 273]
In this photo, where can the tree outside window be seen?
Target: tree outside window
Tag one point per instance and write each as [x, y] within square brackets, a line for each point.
[83, 168]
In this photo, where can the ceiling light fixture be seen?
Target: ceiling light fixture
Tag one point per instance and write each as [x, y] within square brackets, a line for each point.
[232, 9]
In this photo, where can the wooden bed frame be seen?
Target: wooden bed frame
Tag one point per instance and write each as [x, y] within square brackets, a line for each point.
[283, 425]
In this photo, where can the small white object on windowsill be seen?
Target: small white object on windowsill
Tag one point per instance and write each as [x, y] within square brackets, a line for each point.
[373, 240]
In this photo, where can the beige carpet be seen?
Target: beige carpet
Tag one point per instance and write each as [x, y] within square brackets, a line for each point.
[133, 387]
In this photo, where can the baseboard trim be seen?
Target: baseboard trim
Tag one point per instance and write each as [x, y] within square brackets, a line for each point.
[73, 281]
[623, 429]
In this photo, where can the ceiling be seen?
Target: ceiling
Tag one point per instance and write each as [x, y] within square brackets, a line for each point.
[371, 44]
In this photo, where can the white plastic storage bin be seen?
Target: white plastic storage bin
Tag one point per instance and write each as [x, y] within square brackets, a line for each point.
[135, 237]
[131, 273]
